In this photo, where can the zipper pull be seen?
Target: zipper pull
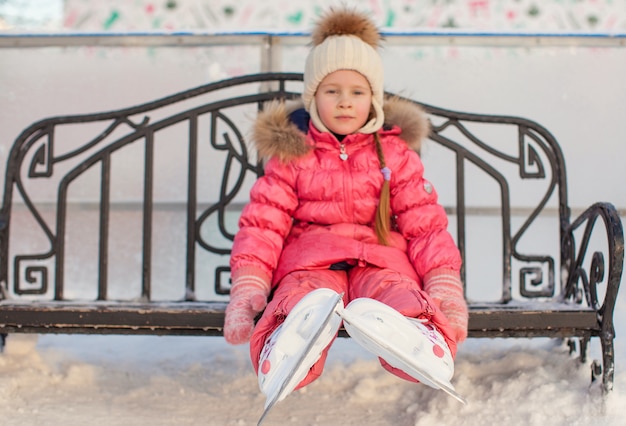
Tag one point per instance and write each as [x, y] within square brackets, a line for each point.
[342, 152]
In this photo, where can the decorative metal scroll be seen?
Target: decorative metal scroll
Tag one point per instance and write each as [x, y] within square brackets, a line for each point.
[537, 279]
[35, 275]
[582, 282]
[35, 150]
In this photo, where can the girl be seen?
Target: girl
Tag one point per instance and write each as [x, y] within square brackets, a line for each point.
[343, 204]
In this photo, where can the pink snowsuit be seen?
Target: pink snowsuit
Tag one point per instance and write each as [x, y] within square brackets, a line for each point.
[310, 221]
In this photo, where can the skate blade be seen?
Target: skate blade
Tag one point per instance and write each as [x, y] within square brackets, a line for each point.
[295, 374]
[367, 320]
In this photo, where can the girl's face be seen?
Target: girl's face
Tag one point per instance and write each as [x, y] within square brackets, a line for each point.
[344, 100]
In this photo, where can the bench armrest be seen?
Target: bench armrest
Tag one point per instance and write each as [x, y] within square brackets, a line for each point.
[584, 281]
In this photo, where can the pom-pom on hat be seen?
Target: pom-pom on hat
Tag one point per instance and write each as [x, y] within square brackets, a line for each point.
[344, 40]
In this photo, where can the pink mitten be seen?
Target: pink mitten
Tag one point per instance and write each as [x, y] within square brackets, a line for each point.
[445, 287]
[248, 297]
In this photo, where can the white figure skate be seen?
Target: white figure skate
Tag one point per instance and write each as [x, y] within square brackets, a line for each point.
[293, 348]
[416, 348]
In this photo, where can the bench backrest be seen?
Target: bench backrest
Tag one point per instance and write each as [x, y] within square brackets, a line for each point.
[142, 203]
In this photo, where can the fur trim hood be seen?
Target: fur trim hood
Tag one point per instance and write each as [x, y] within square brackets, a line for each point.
[275, 135]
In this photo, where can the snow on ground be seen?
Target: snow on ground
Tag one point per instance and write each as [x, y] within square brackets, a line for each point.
[150, 380]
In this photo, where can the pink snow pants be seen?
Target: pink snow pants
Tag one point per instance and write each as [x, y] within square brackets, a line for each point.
[396, 290]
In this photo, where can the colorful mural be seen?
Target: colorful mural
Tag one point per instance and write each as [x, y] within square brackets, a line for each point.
[209, 15]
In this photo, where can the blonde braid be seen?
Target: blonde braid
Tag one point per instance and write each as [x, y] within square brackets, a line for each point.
[383, 213]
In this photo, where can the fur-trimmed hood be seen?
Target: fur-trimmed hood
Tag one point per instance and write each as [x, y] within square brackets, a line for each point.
[275, 134]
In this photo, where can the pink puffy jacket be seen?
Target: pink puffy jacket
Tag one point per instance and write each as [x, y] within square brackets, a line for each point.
[312, 209]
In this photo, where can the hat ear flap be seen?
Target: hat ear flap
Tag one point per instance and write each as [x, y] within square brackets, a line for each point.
[373, 125]
[315, 117]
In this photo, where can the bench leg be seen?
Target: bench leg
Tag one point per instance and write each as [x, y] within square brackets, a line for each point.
[608, 362]
[3, 341]
[583, 344]
[604, 369]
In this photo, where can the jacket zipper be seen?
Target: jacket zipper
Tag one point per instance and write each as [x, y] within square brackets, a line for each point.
[348, 199]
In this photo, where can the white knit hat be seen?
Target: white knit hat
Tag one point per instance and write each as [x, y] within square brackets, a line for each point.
[345, 40]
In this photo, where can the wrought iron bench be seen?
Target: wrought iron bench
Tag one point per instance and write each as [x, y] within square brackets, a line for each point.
[121, 222]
